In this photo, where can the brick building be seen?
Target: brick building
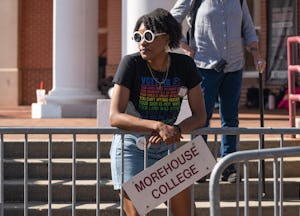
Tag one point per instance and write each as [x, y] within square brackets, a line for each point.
[26, 42]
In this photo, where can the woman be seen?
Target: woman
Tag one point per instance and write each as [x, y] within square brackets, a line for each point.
[148, 89]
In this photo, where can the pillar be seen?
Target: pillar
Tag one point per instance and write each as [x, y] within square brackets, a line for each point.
[9, 73]
[131, 11]
[75, 61]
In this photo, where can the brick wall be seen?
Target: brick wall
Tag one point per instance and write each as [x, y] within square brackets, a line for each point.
[114, 26]
[102, 49]
[35, 47]
[252, 82]
[35, 44]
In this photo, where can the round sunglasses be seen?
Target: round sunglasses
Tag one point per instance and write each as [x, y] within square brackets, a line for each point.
[148, 36]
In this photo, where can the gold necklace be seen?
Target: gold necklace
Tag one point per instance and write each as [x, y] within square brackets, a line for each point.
[162, 82]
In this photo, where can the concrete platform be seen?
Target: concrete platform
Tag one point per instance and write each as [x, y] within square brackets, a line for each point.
[20, 116]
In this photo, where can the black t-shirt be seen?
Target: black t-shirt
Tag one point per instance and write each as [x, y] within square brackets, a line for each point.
[151, 101]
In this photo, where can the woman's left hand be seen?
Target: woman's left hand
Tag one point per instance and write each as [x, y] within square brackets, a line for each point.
[169, 134]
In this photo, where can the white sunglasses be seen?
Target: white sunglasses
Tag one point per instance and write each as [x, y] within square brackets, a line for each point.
[148, 36]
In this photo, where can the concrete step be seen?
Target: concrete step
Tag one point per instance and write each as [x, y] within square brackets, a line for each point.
[86, 175]
[60, 149]
[86, 190]
[86, 168]
[61, 190]
[290, 207]
[61, 167]
[88, 149]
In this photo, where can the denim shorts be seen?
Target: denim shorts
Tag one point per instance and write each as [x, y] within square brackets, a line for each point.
[133, 157]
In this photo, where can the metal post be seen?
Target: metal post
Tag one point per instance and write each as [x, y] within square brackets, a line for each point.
[246, 188]
[275, 186]
[281, 178]
[50, 175]
[261, 111]
[146, 157]
[74, 175]
[237, 184]
[25, 174]
[122, 174]
[98, 176]
[2, 176]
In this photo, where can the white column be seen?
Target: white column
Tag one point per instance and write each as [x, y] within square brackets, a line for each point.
[75, 59]
[131, 11]
[9, 73]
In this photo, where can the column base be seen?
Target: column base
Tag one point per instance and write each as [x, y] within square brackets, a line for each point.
[103, 106]
[45, 111]
[63, 110]
[73, 104]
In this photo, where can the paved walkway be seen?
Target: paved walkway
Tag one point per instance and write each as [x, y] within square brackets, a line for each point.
[21, 117]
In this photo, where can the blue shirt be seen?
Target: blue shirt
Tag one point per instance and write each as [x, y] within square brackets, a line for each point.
[218, 31]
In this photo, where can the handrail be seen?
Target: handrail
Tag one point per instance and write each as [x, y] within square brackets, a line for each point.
[292, 68]
[112, 130]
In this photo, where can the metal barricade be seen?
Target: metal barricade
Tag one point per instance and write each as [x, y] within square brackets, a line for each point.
[98, 132]
[244, 157]
[50, 132]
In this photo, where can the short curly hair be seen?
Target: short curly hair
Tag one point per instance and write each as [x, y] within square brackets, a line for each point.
[162, 21]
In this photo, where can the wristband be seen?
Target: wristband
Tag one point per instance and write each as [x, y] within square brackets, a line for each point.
[177, 127]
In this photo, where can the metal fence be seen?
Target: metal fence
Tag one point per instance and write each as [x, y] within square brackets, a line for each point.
[259, 133]
[244, 157]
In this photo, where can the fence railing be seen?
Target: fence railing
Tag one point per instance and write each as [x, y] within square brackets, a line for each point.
[244, 157]
[76, 132]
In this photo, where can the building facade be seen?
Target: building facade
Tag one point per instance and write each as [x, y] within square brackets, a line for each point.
[27, 42]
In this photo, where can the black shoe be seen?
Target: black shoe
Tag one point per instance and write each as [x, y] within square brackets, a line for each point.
[202, 180]
[229, 175]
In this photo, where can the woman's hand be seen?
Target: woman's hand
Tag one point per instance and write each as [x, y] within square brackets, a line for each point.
[167, 133]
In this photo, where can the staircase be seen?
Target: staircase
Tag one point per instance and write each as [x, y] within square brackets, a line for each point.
[86, 181]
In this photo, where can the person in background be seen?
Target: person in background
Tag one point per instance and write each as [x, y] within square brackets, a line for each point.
[148, 90]
[220, 31]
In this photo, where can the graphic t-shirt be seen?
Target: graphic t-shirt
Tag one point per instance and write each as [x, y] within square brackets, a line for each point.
[152, 101]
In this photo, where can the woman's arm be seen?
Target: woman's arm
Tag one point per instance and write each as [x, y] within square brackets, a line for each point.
[118, 118]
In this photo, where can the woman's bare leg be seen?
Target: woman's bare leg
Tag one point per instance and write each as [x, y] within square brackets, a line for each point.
[129, 208]
[181, 203]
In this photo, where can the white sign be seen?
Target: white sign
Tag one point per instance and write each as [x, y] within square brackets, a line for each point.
[170, 175]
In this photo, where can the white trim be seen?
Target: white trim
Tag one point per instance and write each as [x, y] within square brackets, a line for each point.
[9, 69]
[250, 74]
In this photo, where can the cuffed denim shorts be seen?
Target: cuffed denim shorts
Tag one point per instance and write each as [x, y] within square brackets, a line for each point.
[133, 157]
